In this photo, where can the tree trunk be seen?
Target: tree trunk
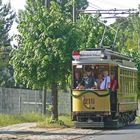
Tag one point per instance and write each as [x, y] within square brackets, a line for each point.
[54, 101]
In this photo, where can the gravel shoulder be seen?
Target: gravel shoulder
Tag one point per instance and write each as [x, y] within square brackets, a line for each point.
[27, 131]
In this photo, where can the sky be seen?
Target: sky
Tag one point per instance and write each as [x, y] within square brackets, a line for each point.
[110, 4]
[16, 4]
[100, 4]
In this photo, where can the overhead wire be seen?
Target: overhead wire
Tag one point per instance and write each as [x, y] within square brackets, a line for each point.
[111, 3]
[94, 5]
[115, 13]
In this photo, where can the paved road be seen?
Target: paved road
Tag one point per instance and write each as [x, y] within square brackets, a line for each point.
[28, 132]
[131, 132]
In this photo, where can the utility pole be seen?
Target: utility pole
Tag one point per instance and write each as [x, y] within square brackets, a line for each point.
[47, 4]
[74, 11]
[138, 45]
[44, 100]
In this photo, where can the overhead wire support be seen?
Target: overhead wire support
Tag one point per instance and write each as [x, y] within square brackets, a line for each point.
[94, 6]
[115, 13]
[109, 11]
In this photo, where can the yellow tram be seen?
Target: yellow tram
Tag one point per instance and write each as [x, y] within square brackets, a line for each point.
[96, 107]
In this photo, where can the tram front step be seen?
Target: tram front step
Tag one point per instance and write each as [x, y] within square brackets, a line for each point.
[108, 124]
[89, 125]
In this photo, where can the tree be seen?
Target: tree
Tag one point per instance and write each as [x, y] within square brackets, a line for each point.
[128, 32]
[46, 40]
[68, 5]
[73, 6]
[128, 37]
[93, 30]
[135, 56]
[81, 4]
[6, 20]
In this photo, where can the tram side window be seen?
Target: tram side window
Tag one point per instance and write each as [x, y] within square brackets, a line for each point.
[77, 76]
[127, 81]
[135, 82]
[123, 81]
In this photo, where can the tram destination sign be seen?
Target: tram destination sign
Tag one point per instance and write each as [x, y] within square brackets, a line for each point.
[91, 53]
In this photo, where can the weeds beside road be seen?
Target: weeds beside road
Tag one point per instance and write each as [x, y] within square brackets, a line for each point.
[41, 129]
[42, 120]
[9, 119]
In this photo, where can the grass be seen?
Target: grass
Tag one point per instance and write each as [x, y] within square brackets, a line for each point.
[138, 94]
[43, 121]
[138, 118]
[63, 121]
[9, 119]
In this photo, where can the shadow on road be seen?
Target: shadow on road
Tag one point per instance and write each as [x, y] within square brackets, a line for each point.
[133, 126]
[130, 126]
[21, 132]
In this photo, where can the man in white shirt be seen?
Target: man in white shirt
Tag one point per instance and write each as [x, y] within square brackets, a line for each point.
[105, 84]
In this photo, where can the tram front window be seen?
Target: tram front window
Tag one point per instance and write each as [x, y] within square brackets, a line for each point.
[91, 77]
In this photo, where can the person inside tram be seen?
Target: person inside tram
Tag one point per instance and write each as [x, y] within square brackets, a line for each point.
[99, 80]
[113, 82]
[88, 81]
[105, 84]
[77, 79]
[113, 95]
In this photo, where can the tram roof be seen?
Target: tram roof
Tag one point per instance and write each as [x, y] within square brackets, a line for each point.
[106, 51]
[122, 64]
[103, 56]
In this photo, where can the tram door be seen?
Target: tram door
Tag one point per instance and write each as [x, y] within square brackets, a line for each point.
[114, 87]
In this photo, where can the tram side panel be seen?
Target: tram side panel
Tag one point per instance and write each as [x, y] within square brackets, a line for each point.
[127, 92]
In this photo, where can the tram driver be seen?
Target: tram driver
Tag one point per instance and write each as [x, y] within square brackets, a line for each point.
[88, 81]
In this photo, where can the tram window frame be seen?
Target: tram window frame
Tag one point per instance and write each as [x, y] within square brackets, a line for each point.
[97, 68]
[121, 83]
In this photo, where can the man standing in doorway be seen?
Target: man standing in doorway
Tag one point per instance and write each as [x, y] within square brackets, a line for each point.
[106, 81]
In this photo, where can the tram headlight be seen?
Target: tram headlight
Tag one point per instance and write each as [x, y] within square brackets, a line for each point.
[102, 55]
